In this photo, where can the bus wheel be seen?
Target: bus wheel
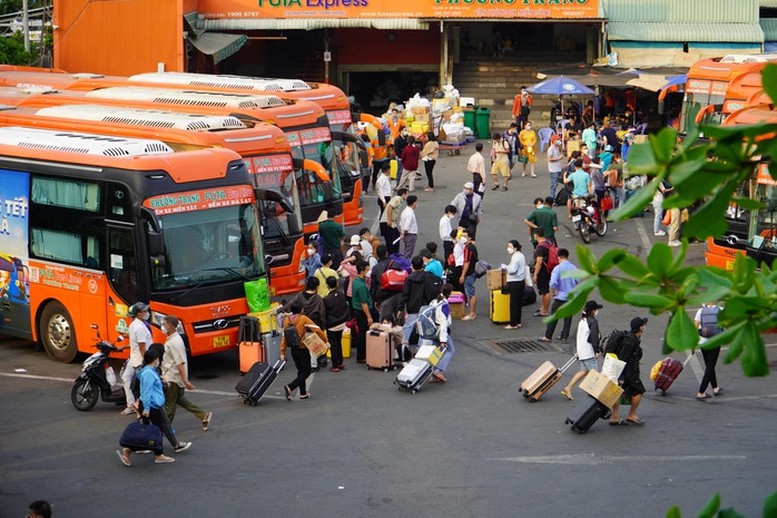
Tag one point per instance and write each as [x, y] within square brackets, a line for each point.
[57, 333]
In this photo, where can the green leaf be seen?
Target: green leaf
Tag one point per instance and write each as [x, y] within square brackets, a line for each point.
[611, 290]
[747, 203]
[572, 307]
[677, 262]
[663, 145]
[637, 202]
[754, 362]
[587, 259]
[709, 219]
[632, 266]
[684, 171]
[659, 259]
[610, 258]
[769, 80]
[681, 333]
[723, 338]
[711, 508]
[642, 159]
[648, 300]
[730, 513]
[736, 346]
[770, 506]
[713, 278]
[674, 512]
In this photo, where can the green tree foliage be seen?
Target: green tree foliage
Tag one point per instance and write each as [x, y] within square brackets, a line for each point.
[713, 510]
[709, 172]
[12, 51]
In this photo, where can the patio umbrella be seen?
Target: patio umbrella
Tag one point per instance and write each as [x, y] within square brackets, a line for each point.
[560, 86]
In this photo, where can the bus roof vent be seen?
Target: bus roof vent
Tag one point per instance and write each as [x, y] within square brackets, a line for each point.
[223, 81]
[187, 97]
[146, 118]
[80, 143]
[87, 75]
[748, 58]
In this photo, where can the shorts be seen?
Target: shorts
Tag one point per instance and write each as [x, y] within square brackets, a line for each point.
[589, 365]
[469, 285]
[543, 282]
[501, 167]
[632, 386]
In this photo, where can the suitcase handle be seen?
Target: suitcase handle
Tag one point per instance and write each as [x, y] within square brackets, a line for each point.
[278, 367]
[568, 364]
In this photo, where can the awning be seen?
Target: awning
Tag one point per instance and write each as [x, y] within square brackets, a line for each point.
[657, 82]
[218, 45]
[274, 24]
[685, 32]
[769, 26]
[192, 20]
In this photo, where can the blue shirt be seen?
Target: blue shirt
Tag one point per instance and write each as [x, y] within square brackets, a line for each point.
[152, 394]
[562, 285]
[435, 267]
[580, 181]
[312, 264]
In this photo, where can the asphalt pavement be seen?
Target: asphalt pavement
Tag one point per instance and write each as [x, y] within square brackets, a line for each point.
[468, 448]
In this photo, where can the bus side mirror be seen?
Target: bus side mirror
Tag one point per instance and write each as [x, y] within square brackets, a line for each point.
[278, 197]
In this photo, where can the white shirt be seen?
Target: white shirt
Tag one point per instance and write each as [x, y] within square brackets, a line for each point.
[445, 228]
[366, 248]
[407, 221]
[383, 186]
[458, 253]
[516, 270]
[138, 333]
[175, 355]
[585, 351]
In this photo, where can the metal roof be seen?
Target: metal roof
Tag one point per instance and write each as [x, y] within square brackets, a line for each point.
[769, 26]
[738, 11]
[218, 45]
[685, 32]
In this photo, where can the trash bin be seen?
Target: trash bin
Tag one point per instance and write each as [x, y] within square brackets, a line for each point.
[469, 118]
[482, 117]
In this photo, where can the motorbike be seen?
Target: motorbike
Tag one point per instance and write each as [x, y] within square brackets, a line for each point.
[588, 218]
[97, 379]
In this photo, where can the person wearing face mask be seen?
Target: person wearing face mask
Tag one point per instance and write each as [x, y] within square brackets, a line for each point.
[469, 204]
[543, 216]
[467, 276]
[528, 140]
[175, 372]
[313, 261]
[446, 228]
[588, 346]
[139, 340]
[516, 280]
[555, 164]
[400, 143]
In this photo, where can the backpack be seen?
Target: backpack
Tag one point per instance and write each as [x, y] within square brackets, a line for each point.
[552, 261]
[291, 335]
[427, 323]
[432, 286]
[614, 342]
[708, 322]
[393, 280]
[481, 268]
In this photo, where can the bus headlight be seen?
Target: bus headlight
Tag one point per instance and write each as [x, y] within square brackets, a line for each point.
[157, 318]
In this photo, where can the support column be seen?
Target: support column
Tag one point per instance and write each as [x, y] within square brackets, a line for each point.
[444, 77]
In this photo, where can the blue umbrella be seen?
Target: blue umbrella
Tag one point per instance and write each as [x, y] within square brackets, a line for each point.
[676, 80]
[560, 86]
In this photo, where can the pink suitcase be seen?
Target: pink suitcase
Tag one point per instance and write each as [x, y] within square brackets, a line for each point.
[379, 350]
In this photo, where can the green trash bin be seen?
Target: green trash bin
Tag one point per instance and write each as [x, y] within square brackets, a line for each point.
[482, 118]
[469, 118]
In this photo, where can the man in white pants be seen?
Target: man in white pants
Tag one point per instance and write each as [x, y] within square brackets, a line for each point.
[140, 338]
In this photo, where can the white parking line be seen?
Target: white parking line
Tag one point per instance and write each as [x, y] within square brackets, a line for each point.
[643, 235]
[592, 459]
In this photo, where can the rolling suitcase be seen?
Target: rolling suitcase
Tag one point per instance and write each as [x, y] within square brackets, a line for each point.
[379, 350]
[272, 346]
[250, 349]
[586, 413]
[668, 372]
[419, 369]
[257, 380]
[499, 307]
[543, 379]
[345, 343]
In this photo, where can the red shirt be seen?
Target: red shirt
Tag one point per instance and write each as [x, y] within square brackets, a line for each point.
[410, 157]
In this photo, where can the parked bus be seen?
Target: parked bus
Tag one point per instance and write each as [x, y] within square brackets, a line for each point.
[330, 98]
[708, 83]
[304, 125]
[263, 147]
[104, 221]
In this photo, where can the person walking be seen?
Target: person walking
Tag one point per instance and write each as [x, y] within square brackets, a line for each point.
[528, 140]
[139, 340]
[332, 234]
[706, 321]
[383, 187]
[294, 328]
[516, 281]
[500, 156]
[442, 317]
[411, 156]
[476, 166]
[560, 286]
[361, 308]
[175, 373]
[555, 164]
[542, 271]
[510, 136]
[408, 226]
[467, 276]
[470, 205]
[522, 107]
[587, 346]
[429, 155]
[631, 353]
[389, 221]
[445, 229]
[337, 314]
[419, 290]
[544, 217]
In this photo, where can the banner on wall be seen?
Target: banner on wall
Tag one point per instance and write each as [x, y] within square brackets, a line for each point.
[454, 9]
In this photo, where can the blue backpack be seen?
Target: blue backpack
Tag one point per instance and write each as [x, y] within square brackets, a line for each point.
[427, 323]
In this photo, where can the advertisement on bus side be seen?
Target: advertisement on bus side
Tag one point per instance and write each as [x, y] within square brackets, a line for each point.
[14, 259]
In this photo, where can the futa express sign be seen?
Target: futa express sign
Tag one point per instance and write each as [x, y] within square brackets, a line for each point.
[302, 9]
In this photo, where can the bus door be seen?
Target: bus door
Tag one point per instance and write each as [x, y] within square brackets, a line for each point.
[349, 164]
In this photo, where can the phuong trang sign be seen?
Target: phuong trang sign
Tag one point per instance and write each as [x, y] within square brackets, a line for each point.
[301, 9]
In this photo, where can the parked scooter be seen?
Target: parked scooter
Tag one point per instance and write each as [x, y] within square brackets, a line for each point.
[587, 218]
[97, 379]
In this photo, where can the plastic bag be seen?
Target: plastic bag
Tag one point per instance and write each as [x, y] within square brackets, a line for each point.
[257, 295]
[110, 376]
[612, 366]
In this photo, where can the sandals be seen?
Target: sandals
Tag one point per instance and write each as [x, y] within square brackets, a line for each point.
[635, 422]
[509, 327]
[288, 392]
[206, 421]
[544, 339]
[567, 395]
[305, 396]
[619, 422]
[124, 459]
[719, 391]
[702, 398]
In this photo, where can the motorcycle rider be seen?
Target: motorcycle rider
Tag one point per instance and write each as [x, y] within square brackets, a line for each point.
[140, 338]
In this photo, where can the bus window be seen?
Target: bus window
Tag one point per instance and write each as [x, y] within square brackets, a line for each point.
[278, 222]
[209, 246]
[122, 267]
[66, 193]
[320, 153]
[64, 246]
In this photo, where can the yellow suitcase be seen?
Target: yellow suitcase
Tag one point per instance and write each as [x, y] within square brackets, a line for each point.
[346, 343]
[499, 307]
[394, 164]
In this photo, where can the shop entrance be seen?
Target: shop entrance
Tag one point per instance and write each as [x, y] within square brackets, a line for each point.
[373, 91]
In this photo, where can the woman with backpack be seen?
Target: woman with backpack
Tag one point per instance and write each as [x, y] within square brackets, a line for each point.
[294, 328]
[706, 321]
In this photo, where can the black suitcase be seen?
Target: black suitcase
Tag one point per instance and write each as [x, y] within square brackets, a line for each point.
[586, 413]
[257, 380]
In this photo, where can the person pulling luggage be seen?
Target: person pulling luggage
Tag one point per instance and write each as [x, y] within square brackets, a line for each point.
[629, 351]
[442, 315]
[294, 328]
[587, 346]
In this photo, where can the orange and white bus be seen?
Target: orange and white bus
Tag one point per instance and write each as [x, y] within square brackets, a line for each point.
[330, 98]
[103, 221]
[263, 147]
[709, 82]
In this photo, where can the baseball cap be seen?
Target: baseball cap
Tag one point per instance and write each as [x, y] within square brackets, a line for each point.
[554, 138]
[638, 322]
[592, 305]
[138, 307]
[355, 240]
[469, 185]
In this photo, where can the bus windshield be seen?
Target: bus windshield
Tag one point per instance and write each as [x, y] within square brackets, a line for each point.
[322, 154]
[277, 221]
[209, 246]
[763, 227]
[348, 157]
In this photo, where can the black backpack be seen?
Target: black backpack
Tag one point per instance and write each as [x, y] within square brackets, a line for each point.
[291, 336]
[614, 342]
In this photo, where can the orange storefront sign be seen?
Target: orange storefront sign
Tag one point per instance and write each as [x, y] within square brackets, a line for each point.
[764, 177]
[301, 9]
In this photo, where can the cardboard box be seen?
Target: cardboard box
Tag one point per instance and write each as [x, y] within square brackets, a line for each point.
[315, 344]
[640, 139]
[602, 388]
[429, 353]
[572, 145]
[419, 110]
[456, 302]
[496, 279]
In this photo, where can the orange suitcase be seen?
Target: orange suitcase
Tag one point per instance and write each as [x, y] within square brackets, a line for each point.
[542, 380]
[250, 348]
